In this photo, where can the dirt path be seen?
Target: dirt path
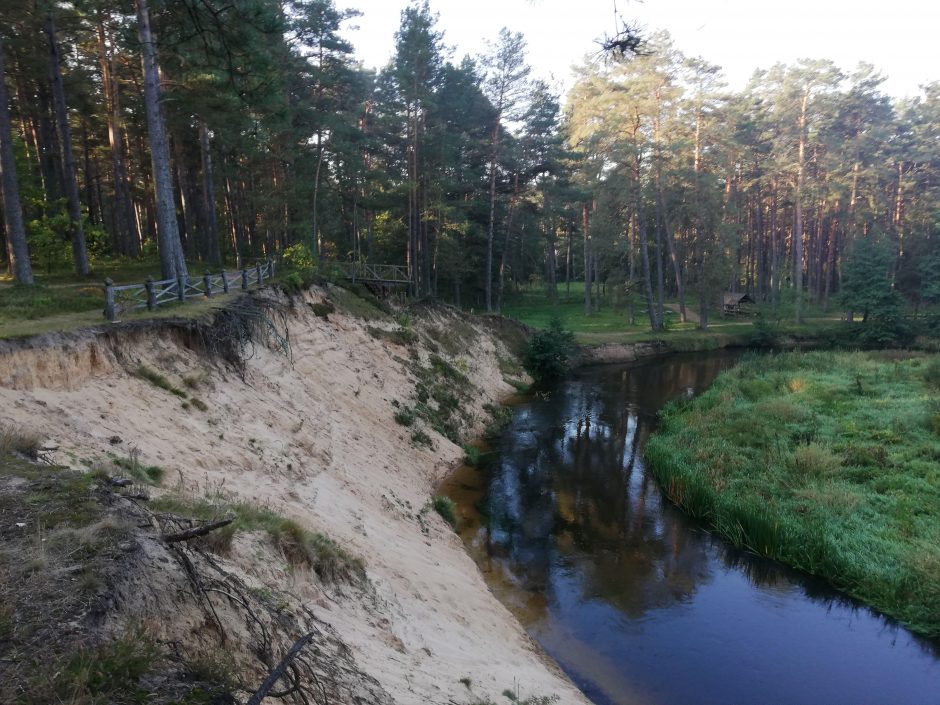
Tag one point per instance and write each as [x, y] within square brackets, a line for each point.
[690, 315]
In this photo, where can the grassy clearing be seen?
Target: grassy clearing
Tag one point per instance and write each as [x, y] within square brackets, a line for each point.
[829, 462]
[300, 547]
[612, 323]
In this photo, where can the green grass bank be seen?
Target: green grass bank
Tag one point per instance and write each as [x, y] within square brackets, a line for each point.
[826, 461]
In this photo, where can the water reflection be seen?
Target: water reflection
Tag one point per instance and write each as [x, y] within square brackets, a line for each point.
[638, 603]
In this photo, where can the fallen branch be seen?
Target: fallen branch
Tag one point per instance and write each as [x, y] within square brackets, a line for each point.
[275, 675]
[196, 531]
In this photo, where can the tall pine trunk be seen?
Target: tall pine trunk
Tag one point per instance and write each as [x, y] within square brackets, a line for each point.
[798, 213]
[211, 219]
[79, 249]
[490, 230]
[126, 237]
[172, 263]
[17, 250]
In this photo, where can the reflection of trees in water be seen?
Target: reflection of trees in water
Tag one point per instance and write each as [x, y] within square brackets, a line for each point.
[570, 493]
[770, 575]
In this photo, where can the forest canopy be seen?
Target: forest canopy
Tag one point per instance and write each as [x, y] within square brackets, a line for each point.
[214, 132]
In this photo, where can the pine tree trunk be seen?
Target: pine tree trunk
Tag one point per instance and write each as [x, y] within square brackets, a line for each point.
[172, 263]
[213, 252]
[641, 230]
[17, 250]
[587, 260]
[50, 163]
[490, 231]
[79, 250]
[125, 236]
[798, 213]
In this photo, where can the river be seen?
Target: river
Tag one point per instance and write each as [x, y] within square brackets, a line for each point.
[636, 602]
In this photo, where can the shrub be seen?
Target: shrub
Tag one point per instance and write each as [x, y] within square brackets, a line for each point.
[299, 256]
[158, 380]
[323, 310]
[547, 355]
[932, 372]
[420, 438]
[405, 417]
[815, 460]
[17, 440]
[447, 509]
[471, 455]
[109, 672]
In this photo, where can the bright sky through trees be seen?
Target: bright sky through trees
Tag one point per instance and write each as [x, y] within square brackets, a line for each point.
[899, 38]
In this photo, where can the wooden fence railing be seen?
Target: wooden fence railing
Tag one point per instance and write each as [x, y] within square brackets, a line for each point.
[365, 272]
[150, 294]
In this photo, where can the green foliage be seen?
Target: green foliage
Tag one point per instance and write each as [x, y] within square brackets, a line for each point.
[147, 474]
[420, 439]
[322, 309]
[547, 356]
[158, 380]
[298, 257]
[110, 672]
[299, 546]
[825, 461]
[471, 455]
[500, 416]
[932, 373]
[447, 509]
[866, 282]
[405, 417]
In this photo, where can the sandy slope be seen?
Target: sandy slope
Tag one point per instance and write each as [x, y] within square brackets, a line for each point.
[315, 439]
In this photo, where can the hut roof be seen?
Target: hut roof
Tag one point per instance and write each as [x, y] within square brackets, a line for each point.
[733, 299]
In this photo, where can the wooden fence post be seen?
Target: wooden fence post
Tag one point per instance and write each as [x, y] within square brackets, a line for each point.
[260, 275]
[244, 279]
[224, 282]
[180, 286]
[109, 308]
[151, 294]
[270, 267]
[207, 281]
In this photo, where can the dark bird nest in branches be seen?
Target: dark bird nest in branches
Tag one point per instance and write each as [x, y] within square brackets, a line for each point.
[625, 44]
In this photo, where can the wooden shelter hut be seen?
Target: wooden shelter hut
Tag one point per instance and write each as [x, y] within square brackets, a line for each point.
[737, 303]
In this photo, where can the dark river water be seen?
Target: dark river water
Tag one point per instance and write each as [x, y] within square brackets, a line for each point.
[639, 604]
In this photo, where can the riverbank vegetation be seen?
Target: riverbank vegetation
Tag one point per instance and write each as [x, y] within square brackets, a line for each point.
[829, 462]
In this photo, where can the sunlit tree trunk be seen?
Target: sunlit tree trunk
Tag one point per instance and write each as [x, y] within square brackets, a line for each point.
[798, 212]
[79, 250]
[126, 239]
[172, 263]
[17, 250]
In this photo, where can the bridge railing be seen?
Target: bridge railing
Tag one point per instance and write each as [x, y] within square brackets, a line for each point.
[367, 272]
[151, 294]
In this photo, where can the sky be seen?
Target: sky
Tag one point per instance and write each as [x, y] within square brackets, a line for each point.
[899, 37]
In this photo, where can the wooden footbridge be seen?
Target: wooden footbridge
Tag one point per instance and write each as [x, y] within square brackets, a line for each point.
[381, 278]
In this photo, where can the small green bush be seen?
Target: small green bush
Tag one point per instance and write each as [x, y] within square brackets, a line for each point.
[420, 438]
[447, 509]
[107, 673]
[932, 372]
[405, 417]
[323, 310]
[547, 355]
[471, 455]
[158, 380]
[14, 439]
